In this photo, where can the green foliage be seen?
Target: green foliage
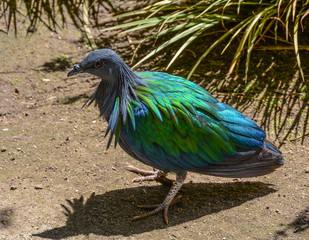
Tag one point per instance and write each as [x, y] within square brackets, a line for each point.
[248, 21]
[49, 12]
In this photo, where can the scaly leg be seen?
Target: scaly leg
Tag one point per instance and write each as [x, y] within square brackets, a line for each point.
[156, 175]
[168, 201]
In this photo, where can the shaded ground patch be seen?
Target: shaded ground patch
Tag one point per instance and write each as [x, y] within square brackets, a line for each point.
[100, 213]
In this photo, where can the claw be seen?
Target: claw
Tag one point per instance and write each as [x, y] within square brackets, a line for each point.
[155, 175]
[148, 206]
[157, 208]
[141, 172]
[146, 178]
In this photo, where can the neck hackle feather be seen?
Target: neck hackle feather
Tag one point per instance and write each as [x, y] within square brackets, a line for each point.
[112, 98]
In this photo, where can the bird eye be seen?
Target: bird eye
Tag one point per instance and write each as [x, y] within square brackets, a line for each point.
[99, 64]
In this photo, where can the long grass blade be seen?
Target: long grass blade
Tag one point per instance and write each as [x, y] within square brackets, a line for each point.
[239, 4]
[169, 42]
[242, 25]
[287, 22]
[279, 7]
[150, 22]
[215, 3]
[302, 19]
[245, 37]
[242, 43]
[223, 37]
[166, 31]
[294, 9]
[190, 40]
[255, 35]
[295, 35]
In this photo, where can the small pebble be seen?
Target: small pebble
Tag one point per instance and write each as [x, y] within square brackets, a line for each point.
[307, 170]
[13, 188]
[3, 149]
[38, 187]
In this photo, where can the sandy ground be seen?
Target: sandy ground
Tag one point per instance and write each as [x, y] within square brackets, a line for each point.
[58, 181]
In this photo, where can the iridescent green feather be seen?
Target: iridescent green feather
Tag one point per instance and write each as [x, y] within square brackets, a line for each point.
[164, 111]
[131, 115]
[151, 103]
[186, 123]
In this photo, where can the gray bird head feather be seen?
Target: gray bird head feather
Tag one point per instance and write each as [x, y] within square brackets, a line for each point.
[104, 63]
[118, 80]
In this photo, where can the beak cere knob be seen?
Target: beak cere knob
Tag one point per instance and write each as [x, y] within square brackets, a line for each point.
[75, 70]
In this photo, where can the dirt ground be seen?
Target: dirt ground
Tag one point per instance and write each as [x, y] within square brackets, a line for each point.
[58, 181]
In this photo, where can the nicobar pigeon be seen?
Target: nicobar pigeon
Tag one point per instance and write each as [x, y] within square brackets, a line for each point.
[174, 125]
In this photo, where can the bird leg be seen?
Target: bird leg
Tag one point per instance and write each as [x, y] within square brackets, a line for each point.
[169, 200]
[156, 175]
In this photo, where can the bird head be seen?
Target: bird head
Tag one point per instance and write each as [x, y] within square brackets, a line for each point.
[104, 63]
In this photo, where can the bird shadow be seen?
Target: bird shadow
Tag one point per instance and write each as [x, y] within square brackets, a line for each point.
[300, 224]
[111, 213]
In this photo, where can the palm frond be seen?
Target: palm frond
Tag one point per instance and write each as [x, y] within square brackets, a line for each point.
[247, 20]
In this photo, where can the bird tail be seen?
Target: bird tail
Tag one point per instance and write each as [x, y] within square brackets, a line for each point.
[247, 163]
[271, 146]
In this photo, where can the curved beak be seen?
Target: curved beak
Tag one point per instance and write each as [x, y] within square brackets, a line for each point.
[75, 70]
